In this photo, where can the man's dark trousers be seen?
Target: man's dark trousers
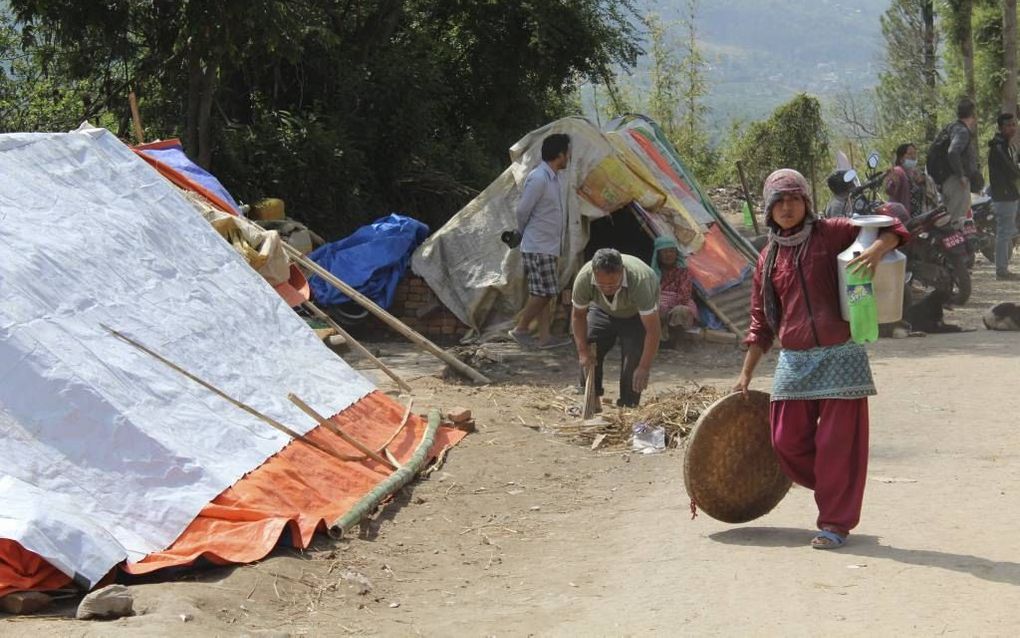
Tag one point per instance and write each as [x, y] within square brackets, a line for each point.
[604, 330]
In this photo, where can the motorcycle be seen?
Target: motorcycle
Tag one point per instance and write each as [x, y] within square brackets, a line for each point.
[938, 254]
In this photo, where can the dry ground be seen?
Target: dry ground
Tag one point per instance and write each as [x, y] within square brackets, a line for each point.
[524, 533]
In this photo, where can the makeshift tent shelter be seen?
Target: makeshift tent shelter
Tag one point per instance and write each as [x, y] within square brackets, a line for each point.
[631, 181]
[111, 456]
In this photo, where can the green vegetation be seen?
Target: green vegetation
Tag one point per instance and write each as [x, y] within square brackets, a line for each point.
[346, 110]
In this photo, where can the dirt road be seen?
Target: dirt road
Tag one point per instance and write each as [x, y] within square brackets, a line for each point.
[522, 533]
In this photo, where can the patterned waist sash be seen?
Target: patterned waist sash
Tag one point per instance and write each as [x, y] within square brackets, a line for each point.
[827, 372]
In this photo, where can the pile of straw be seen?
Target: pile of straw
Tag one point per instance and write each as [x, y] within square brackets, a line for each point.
[674, 410]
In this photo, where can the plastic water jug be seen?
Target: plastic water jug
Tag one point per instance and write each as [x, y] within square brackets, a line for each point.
[888, 279]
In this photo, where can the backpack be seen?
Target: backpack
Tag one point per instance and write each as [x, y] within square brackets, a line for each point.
[937, 159]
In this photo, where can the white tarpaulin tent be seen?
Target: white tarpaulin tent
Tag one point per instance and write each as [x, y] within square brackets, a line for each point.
[107, 453]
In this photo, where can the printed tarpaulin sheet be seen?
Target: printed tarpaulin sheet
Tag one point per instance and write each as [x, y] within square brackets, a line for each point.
[717, 266]
[372, 260]
[108, 453]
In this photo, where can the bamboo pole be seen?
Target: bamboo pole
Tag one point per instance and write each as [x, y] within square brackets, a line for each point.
[335, 429]
[391, 321]
[247, 408]
[403, 424]
[136, 118]
[315, 310]
[747, 196]
[392, 483]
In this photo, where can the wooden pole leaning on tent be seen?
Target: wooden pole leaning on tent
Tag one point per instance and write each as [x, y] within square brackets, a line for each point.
[136, 118]
[391, 321]
[315, 310]
[747, 196]
[244, 406]
[335, 429]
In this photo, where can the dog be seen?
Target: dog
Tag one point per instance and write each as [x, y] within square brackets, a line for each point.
[927, 314]
[1003, 316]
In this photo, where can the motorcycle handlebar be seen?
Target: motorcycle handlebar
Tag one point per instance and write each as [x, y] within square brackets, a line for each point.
[871, 183]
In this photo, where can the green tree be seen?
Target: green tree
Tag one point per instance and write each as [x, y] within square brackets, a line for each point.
[793, 136]
[907, 90]
[346, 110]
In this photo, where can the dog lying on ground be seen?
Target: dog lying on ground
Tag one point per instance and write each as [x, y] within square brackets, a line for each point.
[1004, 316]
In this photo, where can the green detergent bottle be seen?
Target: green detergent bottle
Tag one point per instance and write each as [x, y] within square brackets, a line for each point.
[860, 297]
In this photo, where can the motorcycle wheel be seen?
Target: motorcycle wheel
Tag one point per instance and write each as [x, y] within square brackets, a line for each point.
[961, 279]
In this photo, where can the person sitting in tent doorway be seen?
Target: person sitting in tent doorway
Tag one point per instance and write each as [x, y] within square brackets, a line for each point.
[617, 297]
[541, 220]
[676, 291]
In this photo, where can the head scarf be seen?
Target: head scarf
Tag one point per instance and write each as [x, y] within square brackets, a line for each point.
[780, 183]
[662, 243]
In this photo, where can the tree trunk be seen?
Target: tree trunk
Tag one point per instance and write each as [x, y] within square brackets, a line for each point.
[930, 100]
[966, 33]
[194, 93]
[1009, 55]
[205, 104]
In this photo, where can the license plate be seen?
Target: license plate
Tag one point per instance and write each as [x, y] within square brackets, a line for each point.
[954, 240]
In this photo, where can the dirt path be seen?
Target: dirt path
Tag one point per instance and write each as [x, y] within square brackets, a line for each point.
[522, 533]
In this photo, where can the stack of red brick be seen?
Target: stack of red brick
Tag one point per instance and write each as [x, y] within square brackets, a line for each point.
[417, 306]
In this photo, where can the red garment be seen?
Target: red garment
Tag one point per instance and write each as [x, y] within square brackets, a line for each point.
[823, 446]
[676, 289]
[808, 296]
[897, 187]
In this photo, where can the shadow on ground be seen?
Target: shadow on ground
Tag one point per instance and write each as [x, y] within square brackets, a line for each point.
[871, 547]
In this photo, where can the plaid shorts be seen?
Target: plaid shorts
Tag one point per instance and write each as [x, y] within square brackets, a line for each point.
[541, 272]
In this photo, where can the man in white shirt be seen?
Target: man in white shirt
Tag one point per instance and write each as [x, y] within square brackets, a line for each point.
[541, 220]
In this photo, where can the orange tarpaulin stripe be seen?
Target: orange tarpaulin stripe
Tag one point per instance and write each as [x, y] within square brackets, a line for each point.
[179, 178]
[22, 570]
[299, 489]
[717, 263]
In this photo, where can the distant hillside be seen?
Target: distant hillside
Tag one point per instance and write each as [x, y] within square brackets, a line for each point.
[761, 52]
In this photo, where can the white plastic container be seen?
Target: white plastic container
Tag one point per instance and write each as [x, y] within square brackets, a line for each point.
[888, 279]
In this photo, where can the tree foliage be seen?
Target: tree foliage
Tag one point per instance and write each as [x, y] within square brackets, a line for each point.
[907, 91]
[344, 109]
[794, 136]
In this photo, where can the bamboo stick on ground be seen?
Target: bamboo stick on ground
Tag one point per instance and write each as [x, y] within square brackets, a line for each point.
[315, 310]
[403, 424]
[391, 321]
[247, 408]
[393, 483]
[335, 429]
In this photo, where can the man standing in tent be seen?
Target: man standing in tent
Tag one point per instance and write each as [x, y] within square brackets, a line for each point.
[541, 220]
[617, 297]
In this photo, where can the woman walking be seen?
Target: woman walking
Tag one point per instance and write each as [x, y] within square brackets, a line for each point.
[819, 412]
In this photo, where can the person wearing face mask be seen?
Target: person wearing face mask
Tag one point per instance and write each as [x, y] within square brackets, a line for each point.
[899, 182]
[819, 408]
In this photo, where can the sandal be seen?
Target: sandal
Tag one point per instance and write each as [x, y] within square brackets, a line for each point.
[827, 539]
[522, 339]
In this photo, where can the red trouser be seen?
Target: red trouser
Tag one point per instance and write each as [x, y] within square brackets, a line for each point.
[823, 445]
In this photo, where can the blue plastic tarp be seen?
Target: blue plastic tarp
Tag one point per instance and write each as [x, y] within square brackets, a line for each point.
[372, 260]
[174, 157]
